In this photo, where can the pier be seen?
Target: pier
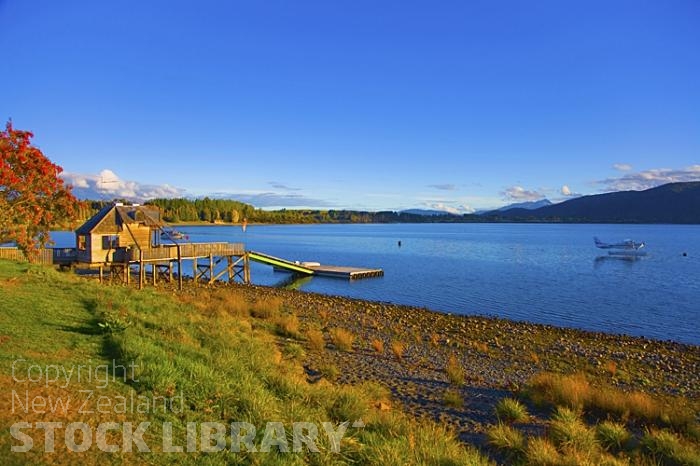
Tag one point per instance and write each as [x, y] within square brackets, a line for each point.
[314, 268]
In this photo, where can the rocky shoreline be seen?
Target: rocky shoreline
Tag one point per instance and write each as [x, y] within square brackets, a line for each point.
[498, 356]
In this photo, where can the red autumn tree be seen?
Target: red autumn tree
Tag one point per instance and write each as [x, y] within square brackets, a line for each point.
[33, 197]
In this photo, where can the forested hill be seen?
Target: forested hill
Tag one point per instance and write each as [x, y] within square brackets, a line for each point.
[229, 211]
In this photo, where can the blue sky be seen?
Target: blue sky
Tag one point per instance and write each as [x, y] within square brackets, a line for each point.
[358, 104]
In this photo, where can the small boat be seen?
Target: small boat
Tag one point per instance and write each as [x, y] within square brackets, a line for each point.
[172, 234]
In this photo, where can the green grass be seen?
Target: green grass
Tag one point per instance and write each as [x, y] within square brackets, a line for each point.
[201, 345]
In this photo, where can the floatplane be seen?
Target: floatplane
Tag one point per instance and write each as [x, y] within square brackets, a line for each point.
[627, 247]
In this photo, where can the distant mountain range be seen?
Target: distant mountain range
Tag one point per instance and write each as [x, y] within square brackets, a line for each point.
[530, 205]
[670, 203]
[425, 212]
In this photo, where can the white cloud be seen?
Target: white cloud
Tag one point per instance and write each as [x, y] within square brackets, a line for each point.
[565, 191]
[651, 178]
[518, 193]
[283, 186]
[623, 167]
[443, 187]
[107, 185]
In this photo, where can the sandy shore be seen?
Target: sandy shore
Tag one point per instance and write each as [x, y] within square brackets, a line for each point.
[498, 356]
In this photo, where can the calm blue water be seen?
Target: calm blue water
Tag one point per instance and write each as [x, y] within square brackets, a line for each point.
[540, 273]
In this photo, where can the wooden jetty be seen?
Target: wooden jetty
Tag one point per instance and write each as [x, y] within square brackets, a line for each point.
[311, 268]
[127, 241]
[353, 273]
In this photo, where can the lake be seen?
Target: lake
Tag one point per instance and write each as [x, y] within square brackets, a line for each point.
[544, 273]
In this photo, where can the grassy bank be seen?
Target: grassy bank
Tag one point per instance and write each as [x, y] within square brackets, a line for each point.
[259, 355]
[184, 360]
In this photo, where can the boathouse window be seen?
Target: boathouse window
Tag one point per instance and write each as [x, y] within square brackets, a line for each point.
[110, 242]
[82, 242]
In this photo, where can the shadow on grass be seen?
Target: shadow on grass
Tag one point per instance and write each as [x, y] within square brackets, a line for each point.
[111, 350]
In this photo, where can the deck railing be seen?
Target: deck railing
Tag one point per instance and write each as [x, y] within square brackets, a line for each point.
[187, 251]
[46, 256]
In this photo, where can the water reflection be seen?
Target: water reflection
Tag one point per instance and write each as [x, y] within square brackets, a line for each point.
[629, 260]
[293, 282]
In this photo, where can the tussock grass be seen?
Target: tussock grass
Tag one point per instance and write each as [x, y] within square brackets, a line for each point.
[342, 338]
[541, 452]
[668, 448]
[315, 339]
[293, 351]
[506, 439]
[569, 432]
[480, 346]
[454, 371]
[267, 308]
[288, 326]
[329, 371]
[232, 303]
[398, 348]
[611, 368]
[453, 398]
[324, 315]
[509, 411]
[612, 436]
[576, 392]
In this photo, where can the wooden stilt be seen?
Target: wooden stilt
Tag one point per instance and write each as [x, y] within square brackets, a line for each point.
[142, 271]
[246, 269]
[194, 270]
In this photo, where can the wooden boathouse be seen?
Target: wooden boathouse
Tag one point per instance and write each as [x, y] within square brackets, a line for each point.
[119, 238]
